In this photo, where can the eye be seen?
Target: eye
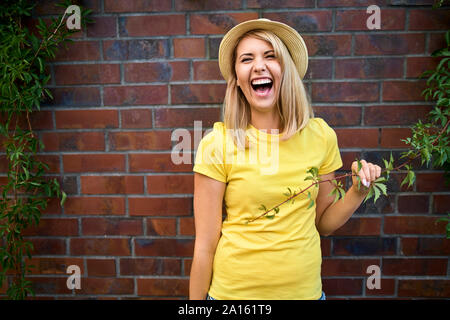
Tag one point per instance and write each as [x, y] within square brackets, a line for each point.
[245, 59]
[271, 56]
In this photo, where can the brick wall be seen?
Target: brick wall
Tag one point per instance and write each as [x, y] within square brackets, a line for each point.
[146, 68]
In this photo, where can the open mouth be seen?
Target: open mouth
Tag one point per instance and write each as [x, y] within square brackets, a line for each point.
[262, 86]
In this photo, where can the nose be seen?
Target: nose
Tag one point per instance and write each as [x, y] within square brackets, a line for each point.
[260, 65]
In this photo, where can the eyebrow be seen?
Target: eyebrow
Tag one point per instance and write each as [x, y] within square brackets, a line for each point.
[250, 54]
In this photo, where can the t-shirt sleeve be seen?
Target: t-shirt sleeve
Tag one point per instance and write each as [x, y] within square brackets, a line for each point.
[209, 159]
[332, 160]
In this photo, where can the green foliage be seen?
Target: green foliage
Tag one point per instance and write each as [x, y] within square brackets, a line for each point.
[23, 78]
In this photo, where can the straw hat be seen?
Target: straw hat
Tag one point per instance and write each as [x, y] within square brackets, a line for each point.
[293, 41]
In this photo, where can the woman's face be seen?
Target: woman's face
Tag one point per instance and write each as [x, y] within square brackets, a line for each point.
[258, 73]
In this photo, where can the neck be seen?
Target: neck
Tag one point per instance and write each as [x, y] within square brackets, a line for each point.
[265, 121]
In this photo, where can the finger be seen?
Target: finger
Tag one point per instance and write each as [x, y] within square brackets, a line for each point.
[365, 173]
[378, 168]
[373, 172]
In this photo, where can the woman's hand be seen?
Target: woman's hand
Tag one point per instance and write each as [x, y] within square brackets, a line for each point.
[369, 172]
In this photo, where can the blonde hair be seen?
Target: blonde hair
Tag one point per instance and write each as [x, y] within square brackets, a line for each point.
[293, 104]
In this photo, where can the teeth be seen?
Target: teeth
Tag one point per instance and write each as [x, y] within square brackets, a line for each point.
[261, 81]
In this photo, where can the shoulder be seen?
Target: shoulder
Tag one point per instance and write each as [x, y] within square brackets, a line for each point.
[321, 126]
[215, 134]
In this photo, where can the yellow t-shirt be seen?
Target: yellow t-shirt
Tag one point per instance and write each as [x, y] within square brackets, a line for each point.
[278, 258]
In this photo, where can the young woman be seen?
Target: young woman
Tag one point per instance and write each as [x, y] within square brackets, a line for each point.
[268, 141]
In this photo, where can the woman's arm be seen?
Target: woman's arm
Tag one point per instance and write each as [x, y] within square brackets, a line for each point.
[208, 198]
[329, 216]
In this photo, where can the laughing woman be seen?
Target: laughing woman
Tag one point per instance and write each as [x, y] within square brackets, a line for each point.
[267, 142]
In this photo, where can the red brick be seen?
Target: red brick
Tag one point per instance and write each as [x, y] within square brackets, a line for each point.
[79, 51]
[424, 288]
[163, 287]
[51, 160]
[101, 267]
[160, 206]
[325, 245]
[393, 19]
[54, 265]
[347, 267]
[357, 138]
[185, 117]
[428, 19]
[189, 47]
[360, 227]
[136, 118]
[161, 227]
[111, 226]
[425, 246]
[74, 97]
[369, 68]
[198, 93]
[187, 266]
[412, 225]
[137, 6]
[218, 23]
[157, 71]
[413, 204]
[391, 137]
[418, 267]
[182, 5]
[187, 227]
[46, 285]
[381, 44]
[329, 45]
[339, 115]
[158, 162]
[281, 4]
[441, 204]
[415, 66]
[54, 227]
[86, 119]
[73, 141]
[140, 140]
[387, 288]
[94, 162]
[87, 74]
[342, 287]
[436, 41]
[112, 184]
[170, 184]
[345, 91]
[45, 246]
[100, 247]
[150, 267]
[403, 90]
[42, 120]
[94, 206]
[135, 49]
[207, 70]
[394, 115]
[135, 95]
[155, 25]
[319, 69]
[164, 247]
[102, 27]
[364, 246]
[304, 21]
[347, 3]
[102, 286]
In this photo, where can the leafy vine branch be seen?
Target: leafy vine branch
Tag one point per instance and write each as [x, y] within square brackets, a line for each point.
[28, 186]
[374, 189]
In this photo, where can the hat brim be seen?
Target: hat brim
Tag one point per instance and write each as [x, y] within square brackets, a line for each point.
[291, 38]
